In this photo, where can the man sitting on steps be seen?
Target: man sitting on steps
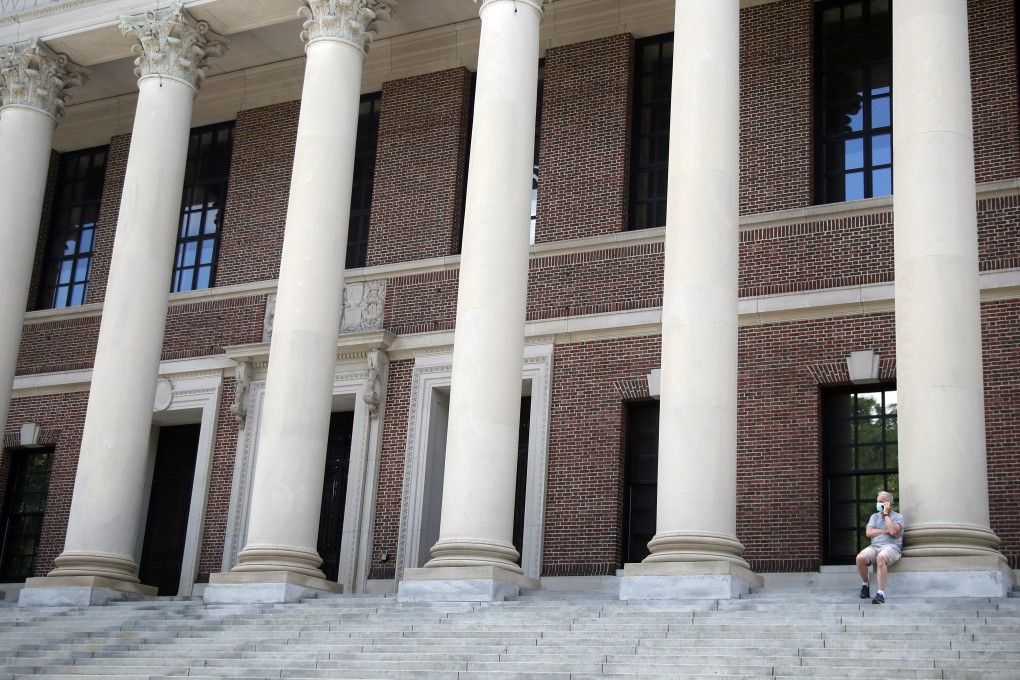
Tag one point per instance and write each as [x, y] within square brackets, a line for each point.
[885, 529]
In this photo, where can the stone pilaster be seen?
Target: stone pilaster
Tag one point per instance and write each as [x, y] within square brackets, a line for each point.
[34, 82]
[475, 557]
[279, 561]
[695, 551]
[173, 51]
[943, 473]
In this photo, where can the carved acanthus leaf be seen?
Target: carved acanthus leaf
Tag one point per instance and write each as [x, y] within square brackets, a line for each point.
[33, 75]
[171, 44]
[353, 21]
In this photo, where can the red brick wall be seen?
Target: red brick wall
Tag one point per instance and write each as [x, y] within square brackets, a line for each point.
[391, 469]
[196, 329]
[109, 209]
[776, 108]
[584, 151]
[256, 207]
[421, 157]
[584, 501]
[1001, 344]
[62, 417]
[214, 533]
[993, 63]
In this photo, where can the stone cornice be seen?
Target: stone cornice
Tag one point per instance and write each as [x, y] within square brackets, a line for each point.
[33, 76]
[350, 21]
[171, 44]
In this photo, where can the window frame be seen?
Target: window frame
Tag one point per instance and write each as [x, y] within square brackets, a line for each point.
[60, 229]
[659, 170]
[868, 133]
[195, 181]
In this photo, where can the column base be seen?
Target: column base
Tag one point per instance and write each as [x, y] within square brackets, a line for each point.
[265, 587]
[78, 591]
[714, 580]
[461, 584]
[950, 577]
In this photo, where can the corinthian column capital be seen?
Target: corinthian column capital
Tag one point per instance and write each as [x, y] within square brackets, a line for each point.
[534, 4]
[34, 76]
[351, 21]
[171, 44]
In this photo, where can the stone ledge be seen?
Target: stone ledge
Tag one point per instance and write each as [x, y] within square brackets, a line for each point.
[462, 584]
[716, 579]
[57, 591]
[265, 587]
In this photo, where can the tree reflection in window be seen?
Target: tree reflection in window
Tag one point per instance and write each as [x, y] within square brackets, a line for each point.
[860, 458]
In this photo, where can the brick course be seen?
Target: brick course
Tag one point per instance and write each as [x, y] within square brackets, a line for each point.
[421, 157]
[584, 149]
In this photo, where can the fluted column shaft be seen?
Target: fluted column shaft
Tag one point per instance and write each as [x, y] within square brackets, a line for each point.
[287, 487]
[696, 511]
[105, 508]
[476, 528]
[32, 88]
[943, 475]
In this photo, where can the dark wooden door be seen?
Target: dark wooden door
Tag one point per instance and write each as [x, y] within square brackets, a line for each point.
[334, 491]
[28, 482]
[641, 475]
[523, 435]
[166, 525]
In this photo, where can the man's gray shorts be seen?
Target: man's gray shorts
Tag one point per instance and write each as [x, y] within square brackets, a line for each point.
[890, 553]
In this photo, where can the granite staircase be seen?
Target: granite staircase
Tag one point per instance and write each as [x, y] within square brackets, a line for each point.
[781, 633]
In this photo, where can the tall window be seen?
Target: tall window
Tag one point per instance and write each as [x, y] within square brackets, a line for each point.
[860, 458]
[205, 193]
[653, 78]
[72, 231]
[27, 485]
[364, 172]
[854, 99]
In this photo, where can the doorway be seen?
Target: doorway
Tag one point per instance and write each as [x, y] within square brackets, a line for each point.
[334, 492]
[640, 479]
[166, 524]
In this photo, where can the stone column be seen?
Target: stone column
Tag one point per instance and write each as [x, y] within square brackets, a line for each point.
[173, 51]
[280, 561]
[34, 82]
[695, 552]
[943, 475]
[475, 556]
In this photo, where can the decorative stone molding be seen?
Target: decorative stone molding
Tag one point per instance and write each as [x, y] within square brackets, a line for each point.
[171, 44]
[378, 369]
[363, 306]
[350, 21]
[268, 318]
[34, 76]
[243, 375]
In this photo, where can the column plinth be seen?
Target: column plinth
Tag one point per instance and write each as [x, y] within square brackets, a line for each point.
[942, 458]
[476, 527]
[695, 551]
[34, 81]
[280, 552]
[103, 522]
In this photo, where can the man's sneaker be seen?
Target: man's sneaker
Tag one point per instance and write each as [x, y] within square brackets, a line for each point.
[865, 593]
[879, 599]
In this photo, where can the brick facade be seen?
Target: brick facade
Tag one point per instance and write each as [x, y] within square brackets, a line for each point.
[584, 148]
[421, 157]
[993, 68]
[256, 206]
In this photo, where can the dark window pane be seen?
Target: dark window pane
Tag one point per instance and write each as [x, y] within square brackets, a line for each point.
[202, 204]
[27, 485]
[364, 173]
[650, 135]
[79, 191]
[853, 99]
